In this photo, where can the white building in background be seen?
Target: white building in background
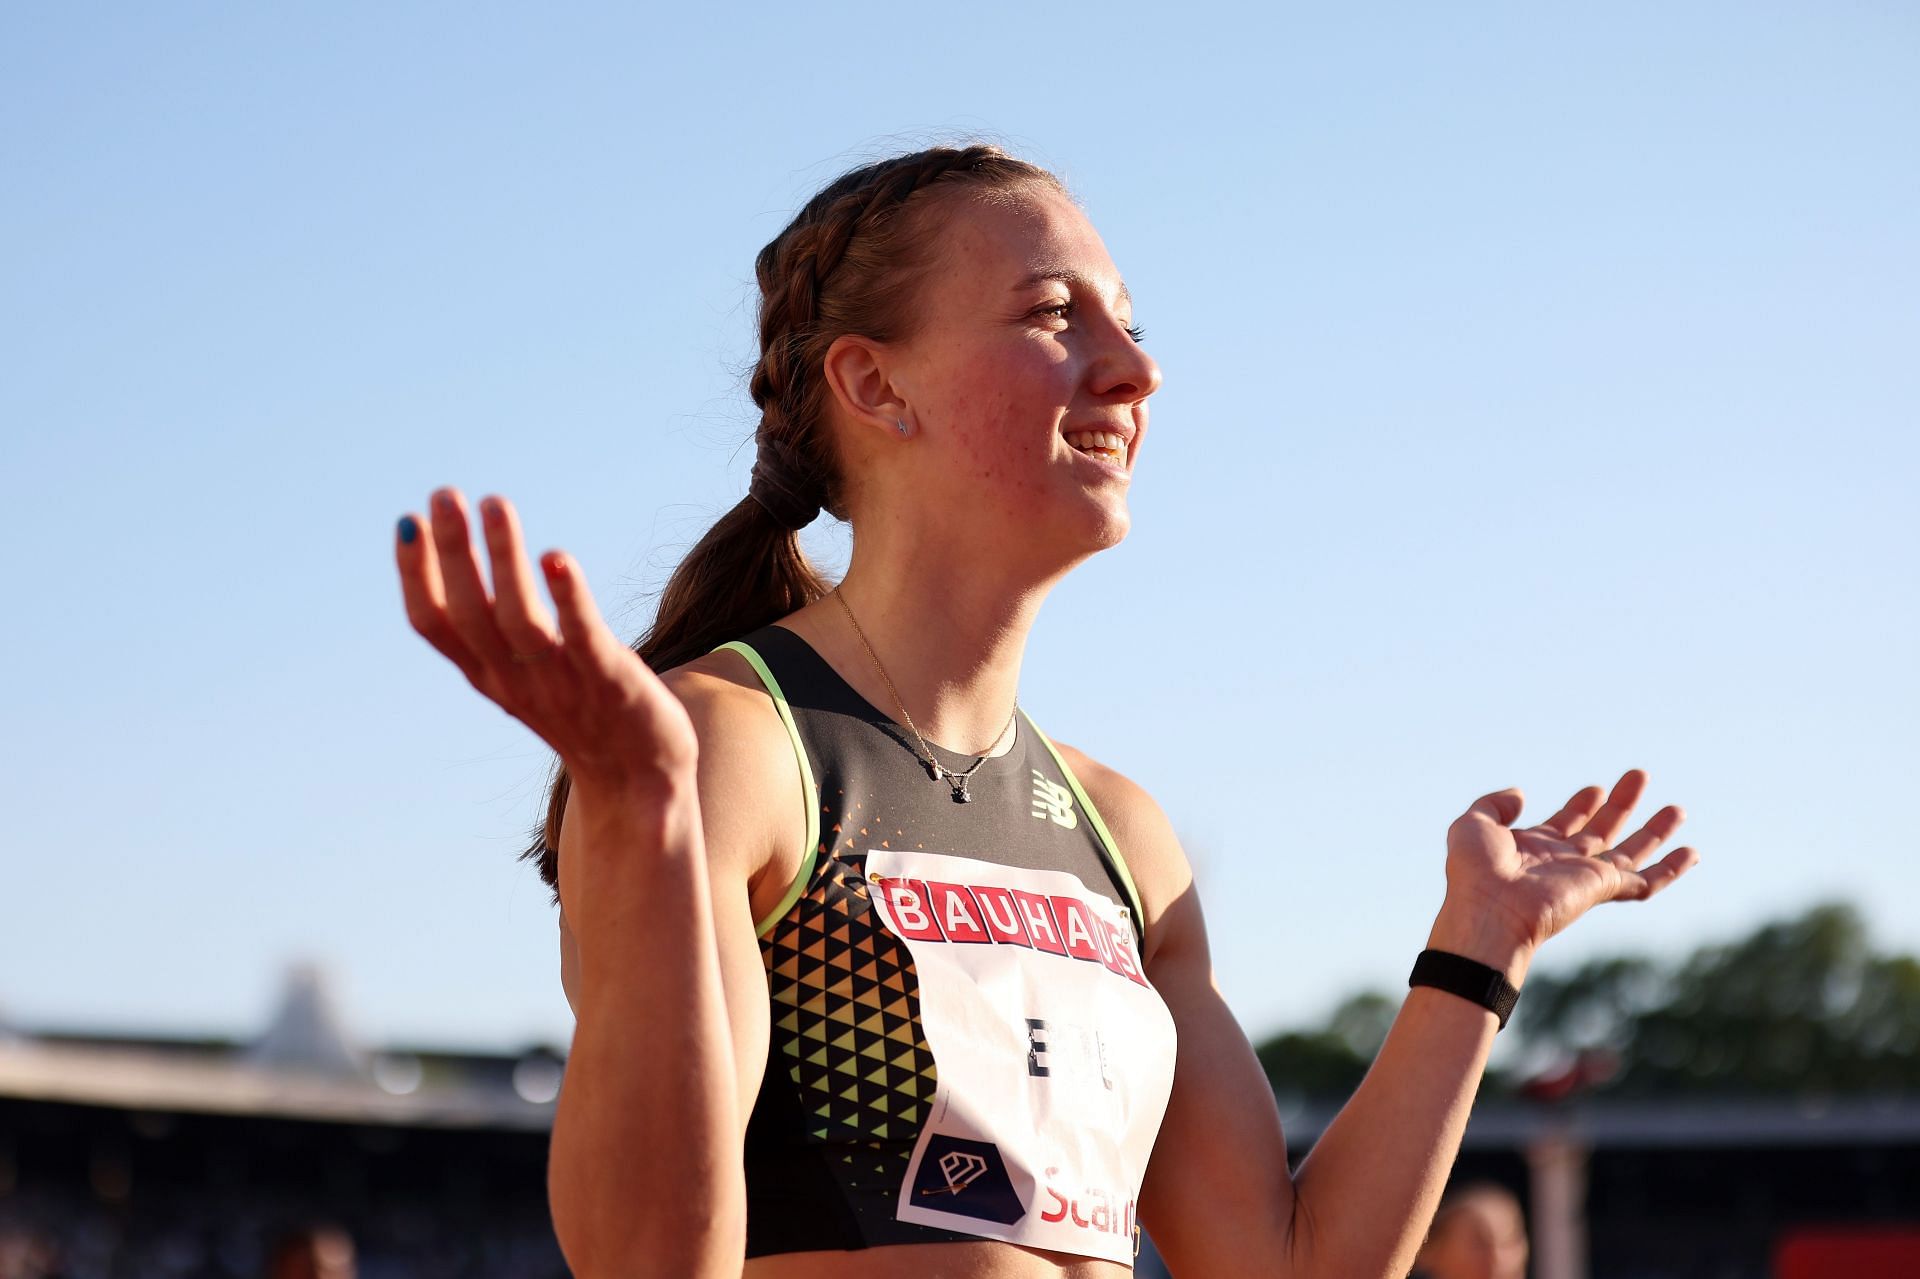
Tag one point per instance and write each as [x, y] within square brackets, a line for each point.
[307, 1034]
[304, 1063]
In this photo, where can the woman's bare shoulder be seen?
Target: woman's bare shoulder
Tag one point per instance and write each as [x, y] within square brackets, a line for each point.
[748, 773]
[1142, 832]
[711, 673]
[729, 705]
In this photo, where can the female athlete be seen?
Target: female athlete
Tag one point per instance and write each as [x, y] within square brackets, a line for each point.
[871, 977]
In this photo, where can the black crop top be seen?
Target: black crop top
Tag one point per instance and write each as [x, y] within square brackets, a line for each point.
[851, 1108]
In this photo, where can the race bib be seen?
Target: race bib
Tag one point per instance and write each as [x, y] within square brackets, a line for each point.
[1053, 1053]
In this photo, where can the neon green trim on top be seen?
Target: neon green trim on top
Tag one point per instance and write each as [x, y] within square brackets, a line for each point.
[1099, 828]
[810, 853]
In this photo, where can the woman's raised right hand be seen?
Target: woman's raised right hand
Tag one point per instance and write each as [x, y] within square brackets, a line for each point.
[617, 728]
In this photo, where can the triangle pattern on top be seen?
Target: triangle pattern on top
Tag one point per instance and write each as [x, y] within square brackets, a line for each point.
[846, 1013]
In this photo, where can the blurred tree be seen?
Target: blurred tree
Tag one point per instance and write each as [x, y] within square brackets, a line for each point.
[1329, 1062]
[1800, 1006]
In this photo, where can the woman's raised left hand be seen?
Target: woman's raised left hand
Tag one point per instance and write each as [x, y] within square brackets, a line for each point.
[1509, 890]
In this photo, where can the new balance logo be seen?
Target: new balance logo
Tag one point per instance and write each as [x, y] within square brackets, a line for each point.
[1050, 799]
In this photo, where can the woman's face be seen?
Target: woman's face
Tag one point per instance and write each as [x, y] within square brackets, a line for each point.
[1482, 1237]
[1024, 343]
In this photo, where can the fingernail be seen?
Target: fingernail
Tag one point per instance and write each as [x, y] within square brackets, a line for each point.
[409, 529]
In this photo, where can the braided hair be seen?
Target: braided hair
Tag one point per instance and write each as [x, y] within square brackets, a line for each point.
[851, 261]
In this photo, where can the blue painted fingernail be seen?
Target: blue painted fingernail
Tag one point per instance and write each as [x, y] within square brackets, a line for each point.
[409, 530]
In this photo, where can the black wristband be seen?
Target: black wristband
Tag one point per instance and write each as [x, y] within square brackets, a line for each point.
[1467, 978]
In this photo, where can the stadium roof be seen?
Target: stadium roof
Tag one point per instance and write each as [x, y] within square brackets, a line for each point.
[159, 1078]
[303, 1065]
[1690, 1122]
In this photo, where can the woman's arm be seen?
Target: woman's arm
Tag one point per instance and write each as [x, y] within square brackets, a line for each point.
[651, 1111]
[1218, 1197]
[644, 1173]
[645, 1176]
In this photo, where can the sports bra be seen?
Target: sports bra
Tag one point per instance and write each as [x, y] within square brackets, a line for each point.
[964, 1043]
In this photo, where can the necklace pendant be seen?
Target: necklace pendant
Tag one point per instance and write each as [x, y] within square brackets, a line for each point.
[934, 770]
[959, 785]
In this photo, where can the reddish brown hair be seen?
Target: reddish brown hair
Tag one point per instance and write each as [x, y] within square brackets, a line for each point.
[851, 261]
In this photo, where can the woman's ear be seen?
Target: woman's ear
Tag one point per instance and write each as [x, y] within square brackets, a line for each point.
[860, 377]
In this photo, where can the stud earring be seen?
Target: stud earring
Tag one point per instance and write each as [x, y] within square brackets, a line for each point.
[902, 424]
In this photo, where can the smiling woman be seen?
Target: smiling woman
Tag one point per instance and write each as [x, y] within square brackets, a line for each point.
[872, 976]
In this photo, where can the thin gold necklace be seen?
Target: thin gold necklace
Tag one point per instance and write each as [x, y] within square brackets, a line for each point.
[935, 769]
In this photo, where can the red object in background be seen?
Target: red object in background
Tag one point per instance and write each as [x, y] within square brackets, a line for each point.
[1592, 1067]
[1856, 1252]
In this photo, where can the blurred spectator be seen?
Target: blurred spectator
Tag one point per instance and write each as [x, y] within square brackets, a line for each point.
[27, 1254]
[1478, 1233]
[312, 1252]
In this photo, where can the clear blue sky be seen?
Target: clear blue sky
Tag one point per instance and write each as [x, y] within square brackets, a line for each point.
[1541, 401]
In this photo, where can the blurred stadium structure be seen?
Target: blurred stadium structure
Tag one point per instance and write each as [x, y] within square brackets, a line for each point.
[148, 1158]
